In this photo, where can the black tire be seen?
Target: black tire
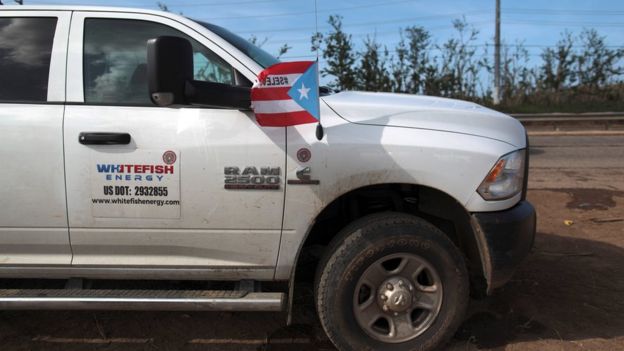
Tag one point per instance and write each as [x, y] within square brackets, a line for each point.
[364, 242]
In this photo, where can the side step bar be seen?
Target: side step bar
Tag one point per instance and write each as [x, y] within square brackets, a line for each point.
[136, 300]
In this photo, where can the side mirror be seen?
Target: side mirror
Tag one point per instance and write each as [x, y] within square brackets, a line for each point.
[169, 67]
[170, 78]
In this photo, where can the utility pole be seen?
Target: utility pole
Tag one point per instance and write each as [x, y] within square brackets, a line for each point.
[497, 46]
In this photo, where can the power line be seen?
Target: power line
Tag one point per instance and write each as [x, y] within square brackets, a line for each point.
[473, 46]
[367, 34]
[564, 12]
[565, 23]
[554, 45]
[487, 45]
[312, 12]
[226, 3]
[429, 28]
[364, 24]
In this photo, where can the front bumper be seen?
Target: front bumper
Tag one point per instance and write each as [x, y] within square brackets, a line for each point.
[505, 238]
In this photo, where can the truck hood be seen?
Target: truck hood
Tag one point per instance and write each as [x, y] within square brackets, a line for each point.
[425, 112]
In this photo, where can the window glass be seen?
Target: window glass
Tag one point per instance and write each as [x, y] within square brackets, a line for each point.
[115, 60]
[261, 57]
[25, 52]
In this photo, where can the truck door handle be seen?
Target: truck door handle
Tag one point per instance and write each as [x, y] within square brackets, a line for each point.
[100, 138]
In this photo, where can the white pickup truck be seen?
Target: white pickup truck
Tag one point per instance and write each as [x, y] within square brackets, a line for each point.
[117, 166]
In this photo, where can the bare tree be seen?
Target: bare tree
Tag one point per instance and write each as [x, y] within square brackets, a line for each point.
[556, 71]
[457, 73]
[162, 6]
[283, 50]
[597, 64]
[517, 79]
[259, 43]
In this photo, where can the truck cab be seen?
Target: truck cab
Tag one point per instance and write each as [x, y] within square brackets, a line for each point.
[415, 201]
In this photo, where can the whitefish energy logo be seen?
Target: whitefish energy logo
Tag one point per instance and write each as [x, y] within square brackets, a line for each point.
[134, 172]
[139, 184]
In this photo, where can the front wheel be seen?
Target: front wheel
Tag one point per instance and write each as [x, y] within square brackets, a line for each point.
[391, 281]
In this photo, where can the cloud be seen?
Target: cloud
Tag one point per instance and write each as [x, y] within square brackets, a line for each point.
[27, 41]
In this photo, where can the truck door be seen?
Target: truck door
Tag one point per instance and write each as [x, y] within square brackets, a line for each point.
[33, 212]
[163, 187]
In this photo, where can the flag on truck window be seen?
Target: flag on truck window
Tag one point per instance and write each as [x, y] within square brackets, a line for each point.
[287, 94]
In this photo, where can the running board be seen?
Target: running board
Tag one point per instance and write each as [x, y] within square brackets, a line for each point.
[137, 300]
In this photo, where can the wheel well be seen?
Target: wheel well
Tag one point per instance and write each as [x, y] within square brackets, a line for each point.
[433, 205]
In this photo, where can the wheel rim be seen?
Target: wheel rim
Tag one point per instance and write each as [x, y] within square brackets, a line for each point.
[397, 298]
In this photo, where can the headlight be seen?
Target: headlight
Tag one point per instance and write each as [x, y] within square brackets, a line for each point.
[506, 178]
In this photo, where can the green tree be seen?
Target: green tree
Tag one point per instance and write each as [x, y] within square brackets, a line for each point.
[372, 73]
[317, 42]
[338, 51]
[400, 67]
[579, 73]
[412, 60]
[419, 42]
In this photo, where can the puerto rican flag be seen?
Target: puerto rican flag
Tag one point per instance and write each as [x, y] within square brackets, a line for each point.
[287, 94]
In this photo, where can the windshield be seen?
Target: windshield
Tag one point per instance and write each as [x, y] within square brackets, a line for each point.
[261, 57]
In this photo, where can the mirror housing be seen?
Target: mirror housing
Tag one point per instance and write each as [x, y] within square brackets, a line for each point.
[170, 78]
[169, 67]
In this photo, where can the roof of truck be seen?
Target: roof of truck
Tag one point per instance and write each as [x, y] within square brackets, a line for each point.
[250, 65]
[84, 8]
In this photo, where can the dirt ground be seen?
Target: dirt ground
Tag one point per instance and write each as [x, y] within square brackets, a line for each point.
[567, 295]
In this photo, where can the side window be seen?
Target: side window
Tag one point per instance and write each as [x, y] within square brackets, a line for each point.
[25, 52]
[115, 60]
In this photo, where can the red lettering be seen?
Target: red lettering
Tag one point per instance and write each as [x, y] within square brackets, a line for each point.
[169, 169]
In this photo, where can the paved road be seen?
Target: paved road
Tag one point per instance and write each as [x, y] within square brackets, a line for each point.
[577, 162]
[577, 151]
[566, 296]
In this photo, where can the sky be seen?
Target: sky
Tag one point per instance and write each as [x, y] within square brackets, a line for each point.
[536, 23]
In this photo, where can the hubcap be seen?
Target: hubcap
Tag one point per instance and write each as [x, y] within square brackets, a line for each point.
[397, 297]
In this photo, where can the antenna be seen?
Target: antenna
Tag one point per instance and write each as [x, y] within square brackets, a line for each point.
[316, 26]
[319, 127]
